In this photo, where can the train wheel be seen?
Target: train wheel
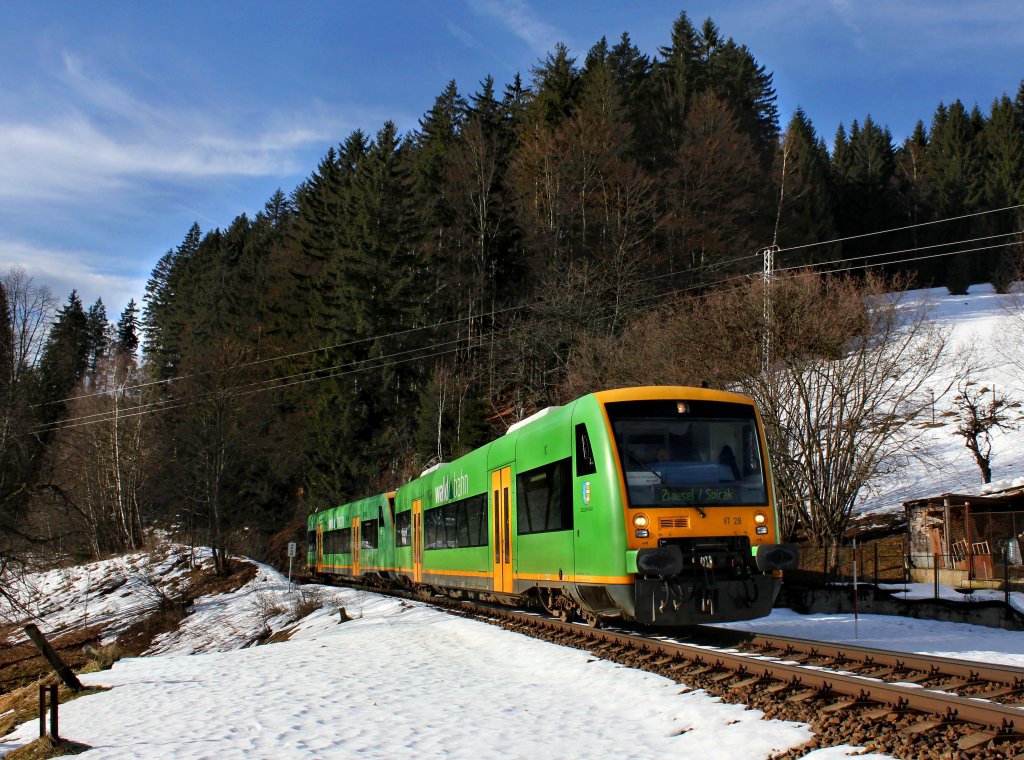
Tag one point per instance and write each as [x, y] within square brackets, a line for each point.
[548, 599]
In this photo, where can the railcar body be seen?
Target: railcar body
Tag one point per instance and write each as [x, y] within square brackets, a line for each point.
[653, 504]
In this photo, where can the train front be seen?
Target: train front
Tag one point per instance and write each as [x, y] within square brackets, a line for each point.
[698, 504]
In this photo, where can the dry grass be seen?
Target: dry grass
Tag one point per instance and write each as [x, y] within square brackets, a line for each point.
[46, 747]
[22, 705]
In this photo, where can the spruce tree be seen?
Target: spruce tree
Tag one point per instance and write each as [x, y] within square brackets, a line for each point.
[127, 334]
[1004, 147]
[805, 202]
[65, 358]
[631, 72]
[557, 83]
[97, 330]
[956, 186]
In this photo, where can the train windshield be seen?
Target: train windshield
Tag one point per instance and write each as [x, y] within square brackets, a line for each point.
[689, 453]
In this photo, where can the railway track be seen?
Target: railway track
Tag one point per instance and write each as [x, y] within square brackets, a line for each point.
[905, 705]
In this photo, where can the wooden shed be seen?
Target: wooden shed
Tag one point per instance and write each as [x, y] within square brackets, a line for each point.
[975, 540]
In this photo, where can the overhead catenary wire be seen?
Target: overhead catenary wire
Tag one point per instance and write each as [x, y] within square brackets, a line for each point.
[900, 229]
[318, 374]
[497, 312]
[384, 336]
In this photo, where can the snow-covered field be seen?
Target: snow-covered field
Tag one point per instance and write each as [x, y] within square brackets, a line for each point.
[403, 680]
[979, 326]
[399, 679]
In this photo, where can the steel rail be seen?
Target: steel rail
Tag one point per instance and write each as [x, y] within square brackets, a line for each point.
[1006, 719]
[972, 670]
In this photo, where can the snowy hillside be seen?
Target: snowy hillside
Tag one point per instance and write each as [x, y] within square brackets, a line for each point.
[403, 680]
[978, 324]
[397, 680]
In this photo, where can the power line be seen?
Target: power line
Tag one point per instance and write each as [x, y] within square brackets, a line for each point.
[900, 229]
[900, 261]
[352, 367]
[384, 336]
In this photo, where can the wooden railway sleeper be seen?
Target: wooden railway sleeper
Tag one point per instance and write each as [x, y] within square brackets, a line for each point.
[752, 681]
[847, 704]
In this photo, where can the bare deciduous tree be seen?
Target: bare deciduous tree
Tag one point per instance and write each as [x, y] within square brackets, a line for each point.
[32, 308]
[845, 383]
[978, 411]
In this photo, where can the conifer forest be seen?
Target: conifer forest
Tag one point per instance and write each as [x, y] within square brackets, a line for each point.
[599, 221]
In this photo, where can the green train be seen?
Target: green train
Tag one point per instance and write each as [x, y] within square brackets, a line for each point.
[650, 504]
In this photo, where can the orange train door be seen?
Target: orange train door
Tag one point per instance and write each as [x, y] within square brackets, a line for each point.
[417, 541]
[319, 548]
[501, 509]
[357, 541]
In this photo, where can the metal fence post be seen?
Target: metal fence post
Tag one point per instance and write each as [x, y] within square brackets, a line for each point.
[42, 711]
[1006, 580]
[935, 574]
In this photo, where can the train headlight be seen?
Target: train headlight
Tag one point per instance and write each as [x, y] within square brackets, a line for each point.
[641, 521]
[759, 523]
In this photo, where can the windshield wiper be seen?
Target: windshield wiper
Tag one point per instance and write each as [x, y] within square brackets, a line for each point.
[660, 477]
[646, 466]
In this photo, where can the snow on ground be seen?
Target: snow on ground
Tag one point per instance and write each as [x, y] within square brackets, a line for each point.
[399, 679]
[894, 633]
[113, 593]
[951, 594]
[978, 324]
[117, 592]
[403, 679]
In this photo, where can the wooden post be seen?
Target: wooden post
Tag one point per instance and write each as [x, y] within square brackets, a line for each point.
[970, 544]
[53, 713]
[66, 674]
[52, 691]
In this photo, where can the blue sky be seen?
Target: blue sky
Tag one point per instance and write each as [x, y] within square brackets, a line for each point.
[121, 123]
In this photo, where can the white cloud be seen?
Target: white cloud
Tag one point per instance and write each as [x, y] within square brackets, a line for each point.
[520, 19]
[64, 270]
[101, 137]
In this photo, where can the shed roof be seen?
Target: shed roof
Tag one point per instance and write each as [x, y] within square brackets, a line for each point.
[1002, 500]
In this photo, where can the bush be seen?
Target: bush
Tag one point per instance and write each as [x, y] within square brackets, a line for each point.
[308, 600]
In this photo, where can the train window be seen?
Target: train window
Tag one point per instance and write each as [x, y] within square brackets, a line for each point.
[433, 528]
[456, 525]
[585, 464]
[368, 534]
[476, 517]
[688, 453]
[403, 528]
[338, 541]
[545, 498]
